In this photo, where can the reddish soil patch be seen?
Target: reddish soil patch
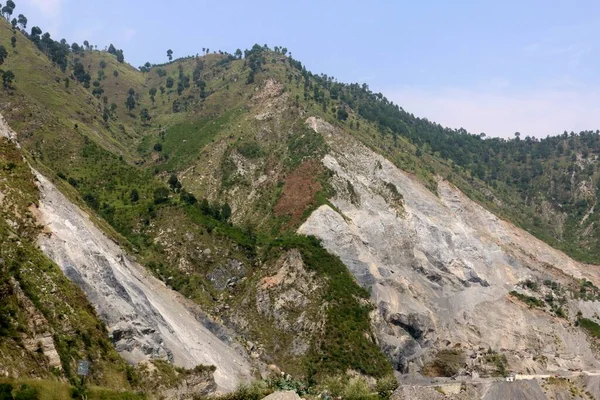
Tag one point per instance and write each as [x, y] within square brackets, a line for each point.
[299, 192]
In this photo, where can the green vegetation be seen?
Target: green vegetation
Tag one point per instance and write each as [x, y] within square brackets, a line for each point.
[591, 327]
[347, 341]
[499, 361]
[529, 300]
[446, 363]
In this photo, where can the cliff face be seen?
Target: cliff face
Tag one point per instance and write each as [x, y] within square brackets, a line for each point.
[441, 269]
[145, 319]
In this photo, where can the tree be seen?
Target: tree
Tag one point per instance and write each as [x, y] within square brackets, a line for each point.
[8, 9]
[158, 147]
[152, 94]
[35, 34]
[7, 79]
[75, 47]
[170, 82]
[238, 54]
[14, 23]
[22, 21]
[342, 114]
[226, 212]
[130, 102]
[112, 49]
[116, 73]
[120, 56]
[134, 196]
[161, 195]
[174, 183]
[145, 116]
[102, 64]
[3, 54]
[284, 51]
[86, 44]
[170, 54]
[188, 198]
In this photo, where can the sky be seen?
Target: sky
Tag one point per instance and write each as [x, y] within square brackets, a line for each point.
[496, 67]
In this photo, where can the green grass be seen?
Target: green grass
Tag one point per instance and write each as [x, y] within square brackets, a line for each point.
[182, 143]
[55, 390]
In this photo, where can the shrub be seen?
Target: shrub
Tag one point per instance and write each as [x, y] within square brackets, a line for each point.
[161, 195]
[250, 150]
[6, 391]
[27, 392]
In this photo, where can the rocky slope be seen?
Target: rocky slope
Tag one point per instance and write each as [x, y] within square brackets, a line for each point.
[145, 319]
[440, 268]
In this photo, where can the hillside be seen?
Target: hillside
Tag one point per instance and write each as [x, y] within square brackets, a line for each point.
[177, 199]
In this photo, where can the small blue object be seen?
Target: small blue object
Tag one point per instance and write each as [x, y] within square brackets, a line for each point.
[83, 367]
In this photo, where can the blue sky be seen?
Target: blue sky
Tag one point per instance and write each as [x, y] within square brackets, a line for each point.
[488, 66]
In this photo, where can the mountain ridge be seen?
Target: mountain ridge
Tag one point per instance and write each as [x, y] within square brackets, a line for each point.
[206, 179]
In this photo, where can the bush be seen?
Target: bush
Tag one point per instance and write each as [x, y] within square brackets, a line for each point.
[250, 150]
[446, 363]
[590, 326]
[386, 386]
[27, 392]
[161, 195]
[529, 300]
[6, 391]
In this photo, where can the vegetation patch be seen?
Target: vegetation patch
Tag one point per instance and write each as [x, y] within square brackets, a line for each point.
[250, 149]
[446, 363]
[347, 341]
[591, 327]
[529, 300]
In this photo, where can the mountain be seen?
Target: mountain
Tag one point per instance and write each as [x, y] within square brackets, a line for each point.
[219, 218]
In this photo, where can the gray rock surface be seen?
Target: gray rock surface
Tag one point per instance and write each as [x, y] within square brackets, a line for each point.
[440, 267]
[287, 395]
[144, 317]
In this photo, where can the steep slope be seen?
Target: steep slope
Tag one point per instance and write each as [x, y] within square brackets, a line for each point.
[145, 320]
[440, 268]
[46, 321]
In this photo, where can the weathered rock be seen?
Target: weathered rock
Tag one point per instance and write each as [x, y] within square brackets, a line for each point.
[440, 267]
[287, 395]
[288, 300]
[144, 317]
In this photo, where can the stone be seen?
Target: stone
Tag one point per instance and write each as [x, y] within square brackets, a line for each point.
[287, 395]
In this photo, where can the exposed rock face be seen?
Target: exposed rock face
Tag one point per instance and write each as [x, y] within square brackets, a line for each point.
[40, 333]
[287, 299]
[144, 317]
[440, 267]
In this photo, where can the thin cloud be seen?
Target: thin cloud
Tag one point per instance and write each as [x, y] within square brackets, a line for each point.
[539, 113]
